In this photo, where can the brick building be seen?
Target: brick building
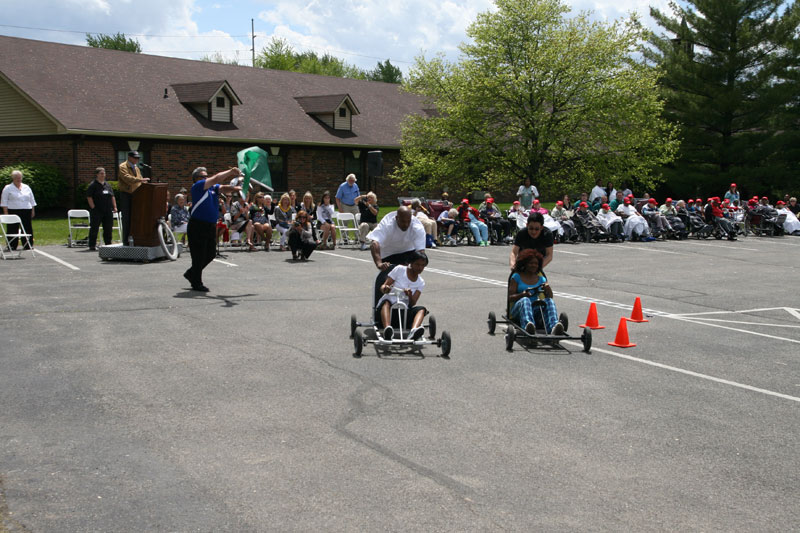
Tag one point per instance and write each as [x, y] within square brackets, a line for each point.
[78, 108]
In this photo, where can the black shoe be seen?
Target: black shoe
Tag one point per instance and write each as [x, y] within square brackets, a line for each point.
[530, 328]
[388, 333]
[92, 249]
[200, 288]
[189, 278]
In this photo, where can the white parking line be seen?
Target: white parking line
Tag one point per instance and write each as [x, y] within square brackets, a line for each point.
[724, 246]
[571, 253]
[224, 262]
[641, 248]
[57, 260]
[437, 250]
[688, 372]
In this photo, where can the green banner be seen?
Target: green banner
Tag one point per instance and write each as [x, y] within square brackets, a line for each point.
[253, 164]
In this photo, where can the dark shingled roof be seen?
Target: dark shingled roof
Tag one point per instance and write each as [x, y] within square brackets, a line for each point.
[201, 91]
[325, 104]
[96, 90]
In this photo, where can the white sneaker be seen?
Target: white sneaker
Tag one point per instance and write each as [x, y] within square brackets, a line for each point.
[417, 333]
[558, 329]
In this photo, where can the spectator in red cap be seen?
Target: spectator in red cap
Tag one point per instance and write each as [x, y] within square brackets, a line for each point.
[714, 215]
[499, 227]
[517, 215]
[790, 224]
[654, 216]
[537, 208]
[636, 226]
[764, 202]
[563, 217]
[668, 209]
[732, 194]
[611, 222]
[591, 227]
[472, 218]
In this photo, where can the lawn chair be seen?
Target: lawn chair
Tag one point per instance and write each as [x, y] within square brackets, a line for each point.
[348, 228]
[78, 220]
[5, 249]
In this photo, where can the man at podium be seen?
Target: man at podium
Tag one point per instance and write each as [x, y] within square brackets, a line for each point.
[130, 178]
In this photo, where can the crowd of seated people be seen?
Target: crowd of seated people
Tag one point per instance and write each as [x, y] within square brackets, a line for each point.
[605, 213]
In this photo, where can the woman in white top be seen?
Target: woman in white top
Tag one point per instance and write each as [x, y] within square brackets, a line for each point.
[325, 220]
[526, 194]
[17, 199]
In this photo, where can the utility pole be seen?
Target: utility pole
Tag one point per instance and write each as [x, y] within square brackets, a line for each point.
[253, 42]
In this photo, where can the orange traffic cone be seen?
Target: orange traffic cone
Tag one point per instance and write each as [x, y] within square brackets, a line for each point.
[622, 340]
[591, 320]
[636, 315]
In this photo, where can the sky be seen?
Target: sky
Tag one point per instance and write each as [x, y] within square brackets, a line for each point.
[362, 32]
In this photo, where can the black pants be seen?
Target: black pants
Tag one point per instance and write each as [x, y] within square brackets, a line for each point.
[27, 227]
[107, 219]
[125, 201]
[202, 247]
[296, 244]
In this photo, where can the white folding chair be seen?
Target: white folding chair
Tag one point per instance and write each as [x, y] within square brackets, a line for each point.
[348, 229]
[5, 250]
[78, 220]
[117, 224]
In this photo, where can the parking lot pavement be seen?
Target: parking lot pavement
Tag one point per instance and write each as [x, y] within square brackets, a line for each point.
[132, 403]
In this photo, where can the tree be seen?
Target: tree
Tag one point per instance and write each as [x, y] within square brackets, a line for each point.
[539, 95]
[731, 84]
[386, 72]
[113, 42]
[279, 55]
[217, 57]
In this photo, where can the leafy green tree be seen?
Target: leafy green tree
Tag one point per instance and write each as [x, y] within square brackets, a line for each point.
[279, 55]
[113, 42]
[386, 72]
[536, 94]
[217, 57]
[731, 84]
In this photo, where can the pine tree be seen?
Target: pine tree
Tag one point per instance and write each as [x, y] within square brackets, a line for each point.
[729, 68]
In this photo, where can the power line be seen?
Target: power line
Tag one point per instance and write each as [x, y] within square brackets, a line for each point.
[126, 34]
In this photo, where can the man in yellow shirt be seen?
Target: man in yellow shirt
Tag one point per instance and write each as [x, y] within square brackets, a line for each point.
[130, 178]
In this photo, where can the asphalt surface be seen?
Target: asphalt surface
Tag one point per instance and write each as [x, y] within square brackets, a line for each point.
[130, 403]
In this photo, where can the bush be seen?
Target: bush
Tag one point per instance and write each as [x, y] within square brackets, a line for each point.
[80, 194]
[46, 181]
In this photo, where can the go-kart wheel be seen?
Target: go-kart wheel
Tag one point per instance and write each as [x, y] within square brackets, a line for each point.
[431, 327]
[358, 343]
[511, 335]
[492, 322]
[353, 325]
[446, 345]
[564, 319]
[586, 339]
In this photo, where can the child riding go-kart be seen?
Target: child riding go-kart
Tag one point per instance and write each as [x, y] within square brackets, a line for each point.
[397, 322]
[531, 314]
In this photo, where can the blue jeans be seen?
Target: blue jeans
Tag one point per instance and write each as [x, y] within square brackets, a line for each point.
[479, 230]
[523, 312]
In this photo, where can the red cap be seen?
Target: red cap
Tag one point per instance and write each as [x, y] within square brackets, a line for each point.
[464, 201]
[627, 201]
[780, 202]
[490, 200]
[560, 203]
[726, 201]
[583, 204]
[516, 202]
[716, 198]
[690, 201]
[668, 200]
[652, 201]
[733, 185]
[751, 202]
[699, 201]
[765, 198]
[604, 206]
[536, 201]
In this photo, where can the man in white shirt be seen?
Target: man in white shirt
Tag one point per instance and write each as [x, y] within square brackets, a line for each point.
[597, 192]
[635, 224]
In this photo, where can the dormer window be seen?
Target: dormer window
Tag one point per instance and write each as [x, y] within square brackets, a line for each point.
[213, 100]
[335, 110]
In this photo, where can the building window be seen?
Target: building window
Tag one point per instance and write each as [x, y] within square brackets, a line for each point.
[343, 112]
[122, 155]
[277, 173]
[353, 165]
[220, 101]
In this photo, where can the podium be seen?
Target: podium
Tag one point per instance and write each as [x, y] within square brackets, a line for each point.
[149, 203]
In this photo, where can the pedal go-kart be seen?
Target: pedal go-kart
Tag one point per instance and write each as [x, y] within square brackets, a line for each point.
[516, 332]
[364, 333]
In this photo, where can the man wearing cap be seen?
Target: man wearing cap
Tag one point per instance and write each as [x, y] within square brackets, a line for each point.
[346, 196]
[715, 215]
[790, 224]
[651, 212]
[592, 227]
[636, 226]
[563, 217]
[130, 178]
[611, 222]
[499, 226]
